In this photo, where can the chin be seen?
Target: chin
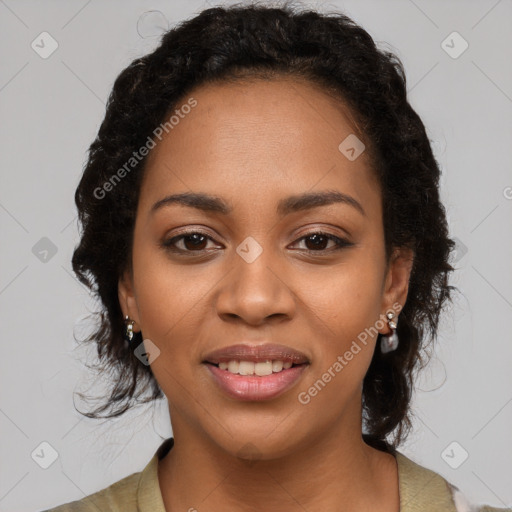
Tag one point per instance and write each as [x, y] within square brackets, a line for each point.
[252, 444]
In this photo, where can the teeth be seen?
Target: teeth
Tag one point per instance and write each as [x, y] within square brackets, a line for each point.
[277, 366]
[233, 366]
[261, 368]
[246, 368]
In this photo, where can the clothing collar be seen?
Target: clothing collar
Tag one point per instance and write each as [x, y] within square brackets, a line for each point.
[418, 486]
[149, 495]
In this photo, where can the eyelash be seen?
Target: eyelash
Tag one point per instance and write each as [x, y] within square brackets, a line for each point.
[341, 243]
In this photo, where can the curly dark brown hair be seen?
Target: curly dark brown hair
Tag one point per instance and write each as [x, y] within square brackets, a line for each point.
[244, 41]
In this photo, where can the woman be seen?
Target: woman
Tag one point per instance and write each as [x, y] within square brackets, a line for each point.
[261, 221]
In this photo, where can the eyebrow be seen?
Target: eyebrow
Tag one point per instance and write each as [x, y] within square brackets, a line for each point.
[292, 204]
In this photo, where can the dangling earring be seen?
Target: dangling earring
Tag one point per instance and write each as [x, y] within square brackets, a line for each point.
[129, 335]
[389, 342]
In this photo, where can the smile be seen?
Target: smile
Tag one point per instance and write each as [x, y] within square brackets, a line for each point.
[247, 380]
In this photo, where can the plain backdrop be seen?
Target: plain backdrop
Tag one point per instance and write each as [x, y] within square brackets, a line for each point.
[51, 109]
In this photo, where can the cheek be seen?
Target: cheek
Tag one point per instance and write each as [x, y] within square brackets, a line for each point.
[170, 302]
[340, 362]
[168, 295]
[345, 306]
[346, 298]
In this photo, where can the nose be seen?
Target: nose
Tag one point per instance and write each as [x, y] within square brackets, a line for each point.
[255, 292]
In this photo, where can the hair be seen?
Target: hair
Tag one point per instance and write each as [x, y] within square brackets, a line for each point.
[254, 41]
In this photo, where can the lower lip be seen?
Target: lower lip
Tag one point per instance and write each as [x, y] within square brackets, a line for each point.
[253, 387]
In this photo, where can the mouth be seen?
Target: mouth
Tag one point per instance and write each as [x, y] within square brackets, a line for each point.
[256, 373]
[258, 368]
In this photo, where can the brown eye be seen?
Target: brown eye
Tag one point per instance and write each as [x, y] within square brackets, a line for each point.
[197, 242]
[318, 242]
[194, 241]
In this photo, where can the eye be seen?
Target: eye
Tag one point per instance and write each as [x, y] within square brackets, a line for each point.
[197, 241]
[192, 241]
[318, 240]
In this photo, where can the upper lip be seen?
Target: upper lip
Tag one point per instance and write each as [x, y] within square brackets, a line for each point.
[256, 353]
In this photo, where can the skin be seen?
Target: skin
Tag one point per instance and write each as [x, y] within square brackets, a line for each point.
[254, 143]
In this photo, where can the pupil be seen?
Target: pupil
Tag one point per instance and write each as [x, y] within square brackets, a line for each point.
[317, 240]
[196, 239]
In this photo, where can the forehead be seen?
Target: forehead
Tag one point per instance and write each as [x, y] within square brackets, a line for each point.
[257, 137]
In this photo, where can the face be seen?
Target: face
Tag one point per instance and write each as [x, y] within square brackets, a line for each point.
[259, 264]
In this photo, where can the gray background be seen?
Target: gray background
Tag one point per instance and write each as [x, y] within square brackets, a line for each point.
[51, 110]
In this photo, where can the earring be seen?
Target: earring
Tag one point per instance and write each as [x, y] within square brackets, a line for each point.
[129, 335]
[389, 342]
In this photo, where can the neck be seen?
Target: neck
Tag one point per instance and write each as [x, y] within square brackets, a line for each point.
[334, 471]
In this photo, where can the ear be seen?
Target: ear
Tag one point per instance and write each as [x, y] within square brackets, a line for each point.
[127, 299]
[396, 284]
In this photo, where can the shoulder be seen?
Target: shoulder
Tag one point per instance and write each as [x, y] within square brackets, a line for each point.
[120, 496]
[422, 489]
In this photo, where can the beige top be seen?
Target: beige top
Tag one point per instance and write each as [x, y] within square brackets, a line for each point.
[421, 490]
